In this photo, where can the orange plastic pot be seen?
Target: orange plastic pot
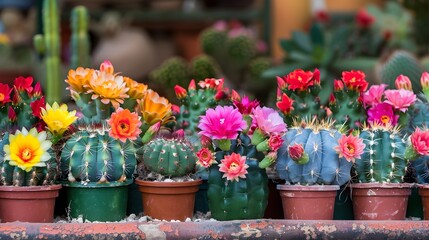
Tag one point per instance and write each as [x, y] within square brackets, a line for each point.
[314, 202]
[424, 194]
[168, 200]
[28, 204]
[380, 201]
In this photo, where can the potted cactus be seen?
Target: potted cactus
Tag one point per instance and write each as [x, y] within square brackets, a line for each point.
[98, 161]
[28, 160]
[166, 180]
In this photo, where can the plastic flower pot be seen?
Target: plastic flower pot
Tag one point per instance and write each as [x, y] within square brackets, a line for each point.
[314, 202]
[201, 199]
[168, 200]
[134, 205]
[424, 194]
[28, 204]
[97, 202]
[380, 201]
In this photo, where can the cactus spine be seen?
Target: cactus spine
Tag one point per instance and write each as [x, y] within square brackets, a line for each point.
[48, 44]
[245, 199]
[80, 44]
[383, 159]
[323, 166]
[91, 155]
[173, 157]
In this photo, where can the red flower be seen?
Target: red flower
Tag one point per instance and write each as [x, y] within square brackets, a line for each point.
[37, 91]
[316, 76]
[11, 114]
[355, 80]
[332, 99]
[22, 83]
[180, 92]
[296, 151]
[245, 106]
[338, 85]
[286, 104]
[364, 19]
[299, 79]
[4, 93]
[322, 16]
[212, 83]
[192, 85]
[37, 106]
[275, 142]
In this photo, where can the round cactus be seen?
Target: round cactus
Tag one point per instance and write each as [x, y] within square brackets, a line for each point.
[173, 71]
[324, 165]
[202, 67]
[241, 49]
[173, 157]
[212, 41]
[91, 155]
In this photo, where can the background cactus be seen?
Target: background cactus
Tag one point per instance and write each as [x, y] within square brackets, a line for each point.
[202, 67]
[173, 71]
[15, 176]
[245, 199]
[91, 155]
[324, 165]
[172, 157]
[80, 45]
[383, 159]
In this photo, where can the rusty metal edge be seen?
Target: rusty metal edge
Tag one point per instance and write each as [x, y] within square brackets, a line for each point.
[253, 229]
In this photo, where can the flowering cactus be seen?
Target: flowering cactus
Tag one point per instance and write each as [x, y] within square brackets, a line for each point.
[418, 153]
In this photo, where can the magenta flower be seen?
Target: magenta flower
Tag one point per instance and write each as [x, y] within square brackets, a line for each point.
[373, 95]
[222, 123]
[269, 121]
[400, 99]
[245, 106]
[382, 114]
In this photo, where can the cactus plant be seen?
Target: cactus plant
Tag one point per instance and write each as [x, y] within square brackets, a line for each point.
[172, 157]
[383, 160]
[202, 67]
[318, 161]
[80, 45]
[173, 71]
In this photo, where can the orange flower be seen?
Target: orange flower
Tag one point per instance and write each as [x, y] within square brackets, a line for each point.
[108, 88]
[79, 78]
[155, 108]
[136, 90]
[124, 125]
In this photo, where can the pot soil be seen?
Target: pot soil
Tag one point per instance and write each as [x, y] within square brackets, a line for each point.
[314, 202]
[28, 204]
[168, 200]
[97, 202]
[380, 201]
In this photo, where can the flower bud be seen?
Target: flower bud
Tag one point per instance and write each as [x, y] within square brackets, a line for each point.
[296, 152]
[424, 80]
[192, 85]
[338, 85]
[180, 92]
[281, 83]
[403, 82]
[316, 76]
[107, 67]
[11, 114]
[235, 96]
[151, 132]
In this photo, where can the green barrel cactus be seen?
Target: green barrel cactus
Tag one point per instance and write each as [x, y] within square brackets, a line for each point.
[383, 159]
[202, 67]
[246, 198]
[323, 166]
[172, 157]
[91, 155]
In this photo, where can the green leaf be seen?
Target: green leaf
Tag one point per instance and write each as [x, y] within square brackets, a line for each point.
[300, 57]
[302, 41]
[284, 69]
[365, 64]
[287, 45]
[316, 35]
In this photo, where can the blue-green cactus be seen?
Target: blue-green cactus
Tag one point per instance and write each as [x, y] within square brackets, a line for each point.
[324, 165]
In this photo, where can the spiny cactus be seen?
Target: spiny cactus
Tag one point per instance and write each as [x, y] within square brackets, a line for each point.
[419, 114]
[400, 62]
[172, 157]
[212, 41]
[246, 198]
[383, 159]
[322, 166]
[91, 155]
[202, 67]
[241, 49]
[173, 71]
[80, 44]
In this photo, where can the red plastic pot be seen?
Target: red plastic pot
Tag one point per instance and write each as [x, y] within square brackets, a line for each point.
[314, 202]
[424, 194]
[380, 201]
[28, 204]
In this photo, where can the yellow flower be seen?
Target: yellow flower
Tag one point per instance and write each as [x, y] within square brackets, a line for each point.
[4, 39]
[136, 90]
[58, 118]
[108, 88]
[27, 149]
[155, 108]
[79, 78]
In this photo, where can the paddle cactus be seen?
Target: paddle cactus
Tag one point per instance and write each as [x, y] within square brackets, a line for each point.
[383, 159]
[172, 157]
[311, 155]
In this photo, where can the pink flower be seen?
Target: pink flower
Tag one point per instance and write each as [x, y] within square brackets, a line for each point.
[234, 167]
[205, 158]
[338, 85]
[350, 147]
[400, 99]
[420, 141]
[424, 80]
[275, 142]
[403, 82]
[269, 121]
[382, 114]
[245, 106]
[222, 123]
[296, 151]
[373, 95]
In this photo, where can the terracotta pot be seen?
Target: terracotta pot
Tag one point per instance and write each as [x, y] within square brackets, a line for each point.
[424, 194]
[380, 201]
[168, 200]
[308, 202]
[28, 204]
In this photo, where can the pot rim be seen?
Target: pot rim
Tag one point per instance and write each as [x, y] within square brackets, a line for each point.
[141, 182]
[30, 188]
[97, 185]
[423, 185]
[288, 187]
[382, 185]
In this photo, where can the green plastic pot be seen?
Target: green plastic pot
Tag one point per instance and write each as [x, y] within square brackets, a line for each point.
[134, 200]
[97, 202]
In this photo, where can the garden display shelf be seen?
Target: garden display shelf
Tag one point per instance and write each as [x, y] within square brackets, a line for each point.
[253, 229]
